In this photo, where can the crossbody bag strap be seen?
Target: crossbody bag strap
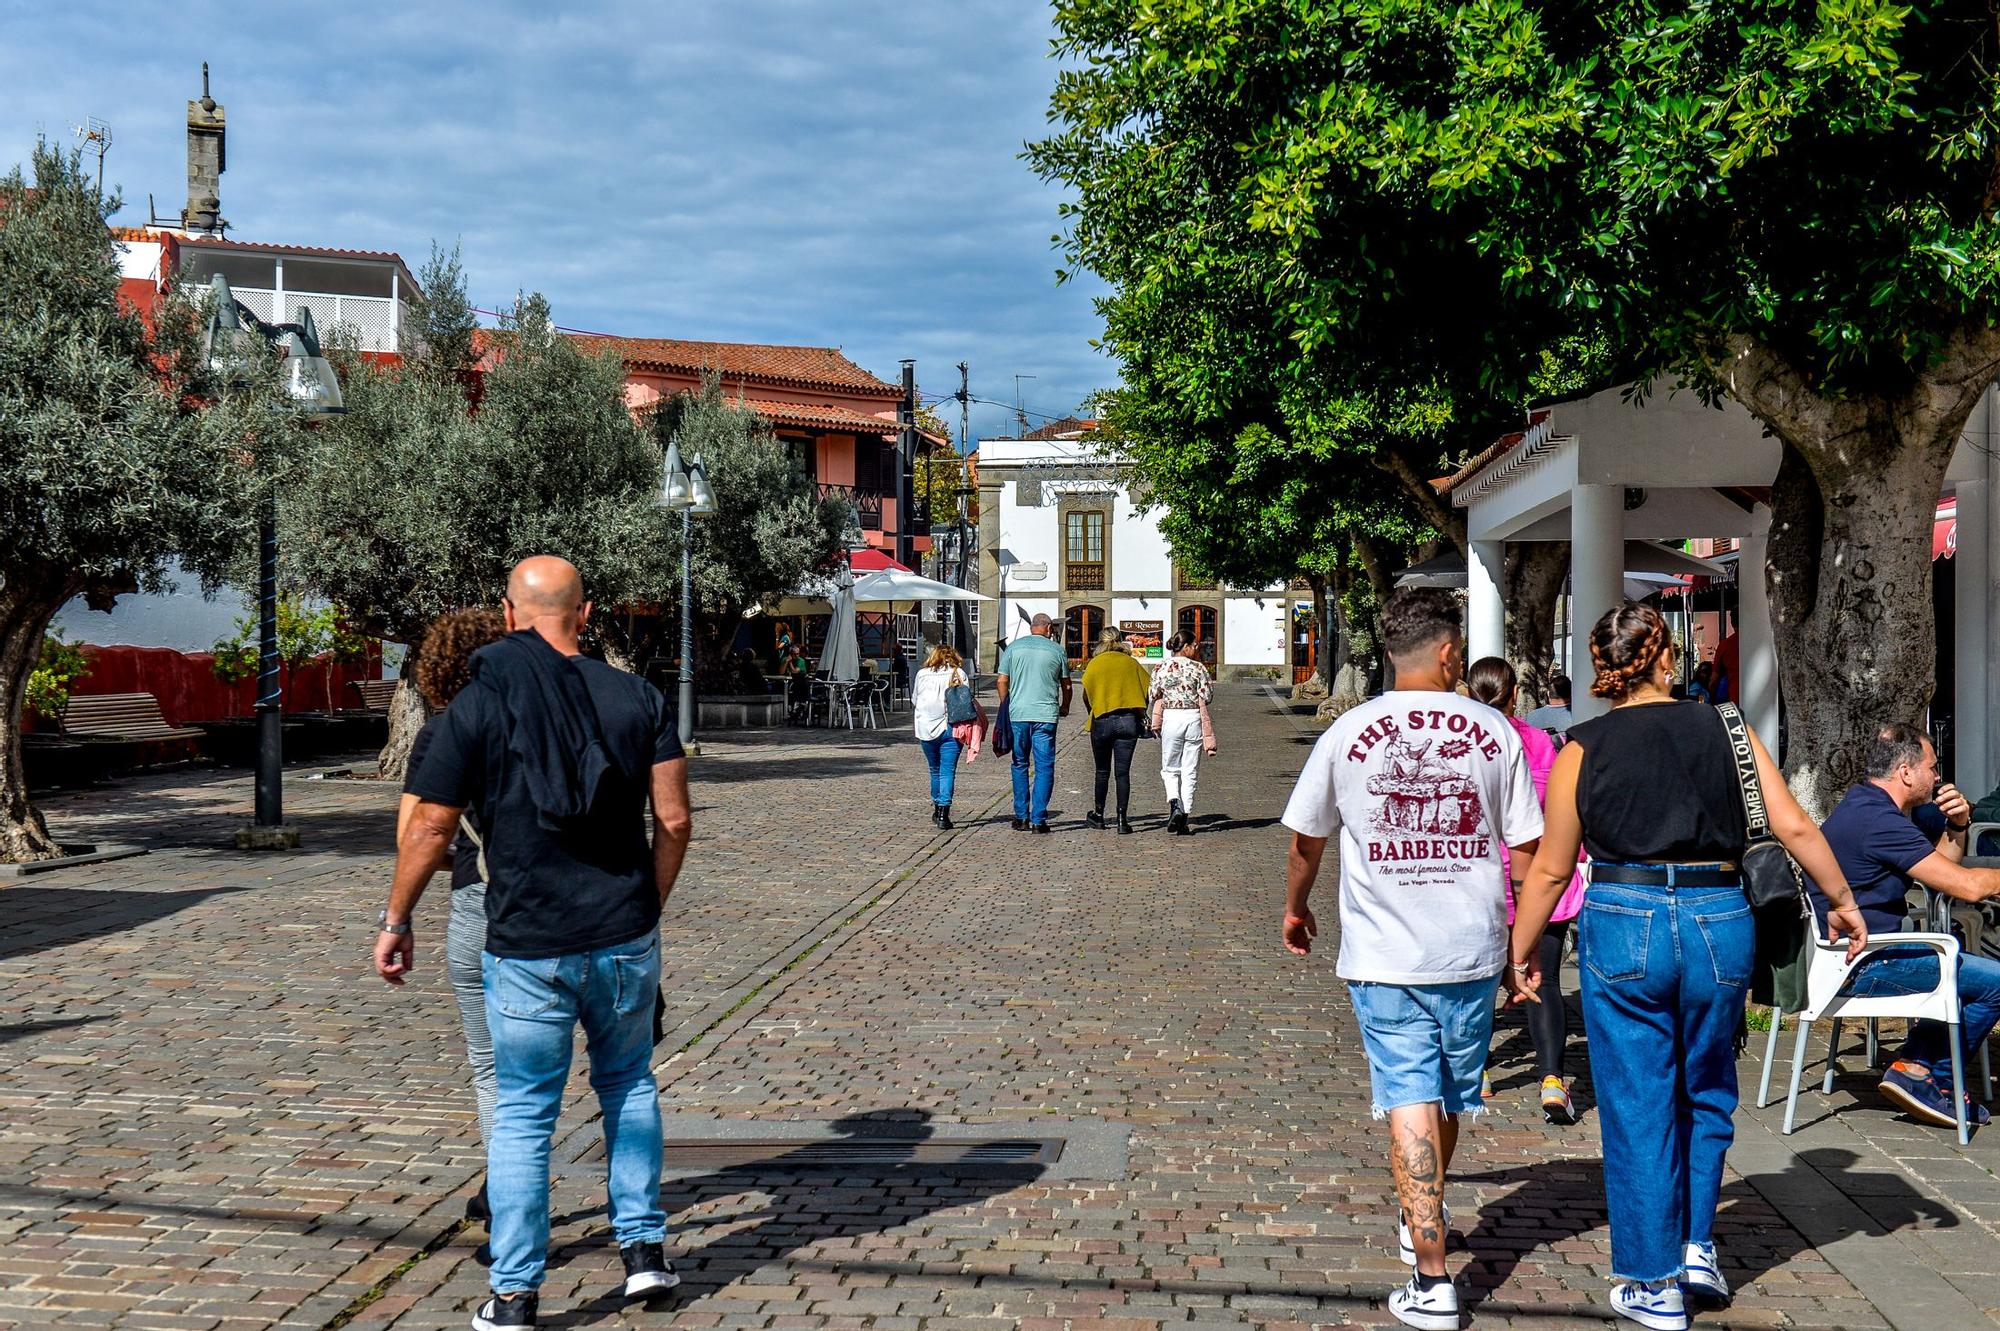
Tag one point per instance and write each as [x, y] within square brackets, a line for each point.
[478, 845]
[1744, 754]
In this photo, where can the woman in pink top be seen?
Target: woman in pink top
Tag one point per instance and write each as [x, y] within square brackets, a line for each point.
[1492, 681]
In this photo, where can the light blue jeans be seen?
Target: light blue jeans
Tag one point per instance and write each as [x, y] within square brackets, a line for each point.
[942, 755]
[1666, 971]
[1036, 740]
[532, 1008]
[465, 963]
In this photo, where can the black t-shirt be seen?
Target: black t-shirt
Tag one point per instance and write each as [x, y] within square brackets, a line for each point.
[553, 893]
[464, 852]
[1658, 786]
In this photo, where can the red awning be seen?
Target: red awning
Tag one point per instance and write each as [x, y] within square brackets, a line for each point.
[1944, 529]
[875, 561]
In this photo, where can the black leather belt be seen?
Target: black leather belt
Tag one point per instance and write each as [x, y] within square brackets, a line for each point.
[1667, 875]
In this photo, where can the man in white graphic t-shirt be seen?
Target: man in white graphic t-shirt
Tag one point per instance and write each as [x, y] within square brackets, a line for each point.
[1425, 788]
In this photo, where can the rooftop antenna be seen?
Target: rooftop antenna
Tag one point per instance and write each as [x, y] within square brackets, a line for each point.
[97, 138]
[1020, 413]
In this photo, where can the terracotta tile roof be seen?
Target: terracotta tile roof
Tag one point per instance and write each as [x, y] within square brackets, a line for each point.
[1479, 461]
[1069, 427]
[818, 417]
[750, 360]
[258, 247]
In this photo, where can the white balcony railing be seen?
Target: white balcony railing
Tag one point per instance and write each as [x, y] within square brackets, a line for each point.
[373, 323]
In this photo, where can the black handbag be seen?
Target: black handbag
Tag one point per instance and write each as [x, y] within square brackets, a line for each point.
[1770, 874]
[1774, 885]
[959, 709]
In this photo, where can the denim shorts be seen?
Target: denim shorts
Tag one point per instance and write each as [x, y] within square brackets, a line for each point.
[1426, 1042]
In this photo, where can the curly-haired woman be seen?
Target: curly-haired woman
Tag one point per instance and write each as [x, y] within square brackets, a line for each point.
[444, 666]
[1666, 943]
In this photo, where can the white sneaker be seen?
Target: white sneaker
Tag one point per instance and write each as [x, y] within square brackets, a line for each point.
[1658, 1305]
[1407, 1245]
[1433, 1309]
[1704, 1272]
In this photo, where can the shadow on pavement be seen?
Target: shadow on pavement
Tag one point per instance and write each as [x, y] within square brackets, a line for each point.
[1550, 1203]
[35, 919]
[28, 1030]
[1883, 1202]
[806, 1200]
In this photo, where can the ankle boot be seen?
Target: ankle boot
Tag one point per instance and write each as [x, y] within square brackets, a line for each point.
[944, 816]
[1124, 825]
[937, 815]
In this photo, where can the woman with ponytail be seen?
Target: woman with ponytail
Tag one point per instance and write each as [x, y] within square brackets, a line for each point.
[1666, 943]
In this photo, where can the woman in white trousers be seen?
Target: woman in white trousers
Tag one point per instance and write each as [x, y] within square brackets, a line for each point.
[1180, 694]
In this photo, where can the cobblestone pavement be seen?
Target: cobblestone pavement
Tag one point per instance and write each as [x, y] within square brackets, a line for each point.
[213, 1118]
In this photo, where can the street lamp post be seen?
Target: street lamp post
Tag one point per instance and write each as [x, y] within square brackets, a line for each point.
[959, 626]
[689, 492]
[234, 340]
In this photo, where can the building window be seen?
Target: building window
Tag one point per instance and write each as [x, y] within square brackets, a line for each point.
[1198, 622]
[1081, 625]
[1083, 560]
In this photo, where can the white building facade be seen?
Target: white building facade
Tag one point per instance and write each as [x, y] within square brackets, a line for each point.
[1061, 533]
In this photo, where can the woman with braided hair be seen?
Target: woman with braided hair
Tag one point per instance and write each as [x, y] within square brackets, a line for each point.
[1665, 940]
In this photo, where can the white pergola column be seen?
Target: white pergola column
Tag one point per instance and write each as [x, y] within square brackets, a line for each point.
[1972, 754]
[1486, 612]
[1757, 650]
[1597, 580]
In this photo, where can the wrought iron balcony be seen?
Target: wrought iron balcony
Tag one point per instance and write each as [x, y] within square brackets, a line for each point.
[867, 503]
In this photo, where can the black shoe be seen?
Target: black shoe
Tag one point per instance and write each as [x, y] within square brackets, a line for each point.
[1020, 824]
[944, 816]
[1039, 827]
[483, 1254]
[478, 1208]
[647, 1270]
[1176, 821]
[498, 1314]
[1124, 825]
[1095, 818]
[1186, 828]
[937, 815]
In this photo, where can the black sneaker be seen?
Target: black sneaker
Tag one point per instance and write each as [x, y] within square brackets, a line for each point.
[498, 1314]
[1094, 818]
[1020, 824]
[1040, 827]
[647, 1270]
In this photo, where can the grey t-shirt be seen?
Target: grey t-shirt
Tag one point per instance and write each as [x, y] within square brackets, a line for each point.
[1034, 667]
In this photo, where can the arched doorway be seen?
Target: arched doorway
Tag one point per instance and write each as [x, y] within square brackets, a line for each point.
[1198, 622]
[1081, 625]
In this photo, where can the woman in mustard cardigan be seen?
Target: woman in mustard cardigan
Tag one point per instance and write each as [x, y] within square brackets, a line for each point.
[1114, 694]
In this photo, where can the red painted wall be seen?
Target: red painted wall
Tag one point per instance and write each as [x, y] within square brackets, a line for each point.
[189, 692]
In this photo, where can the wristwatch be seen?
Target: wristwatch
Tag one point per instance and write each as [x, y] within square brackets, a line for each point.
[388, 928]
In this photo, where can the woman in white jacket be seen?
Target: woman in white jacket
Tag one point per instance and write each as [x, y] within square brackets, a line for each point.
[943, 670]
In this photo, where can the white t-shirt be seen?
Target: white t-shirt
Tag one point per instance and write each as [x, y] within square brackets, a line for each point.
[1417, 783]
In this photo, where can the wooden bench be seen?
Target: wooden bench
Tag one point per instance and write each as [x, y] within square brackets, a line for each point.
[376, 694]
[128, 718]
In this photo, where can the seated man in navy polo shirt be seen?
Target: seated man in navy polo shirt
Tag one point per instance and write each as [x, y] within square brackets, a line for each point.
[1888, 835]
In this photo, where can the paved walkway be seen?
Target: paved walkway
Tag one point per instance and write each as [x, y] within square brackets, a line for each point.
[210, 1116]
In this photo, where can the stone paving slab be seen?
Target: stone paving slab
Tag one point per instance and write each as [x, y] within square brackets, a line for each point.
[213, 1117]
[212, 1113]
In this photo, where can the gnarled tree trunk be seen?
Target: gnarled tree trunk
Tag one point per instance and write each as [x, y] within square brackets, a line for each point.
[1532, 580]
[25, 612]
[1849, 569]
[407, 714]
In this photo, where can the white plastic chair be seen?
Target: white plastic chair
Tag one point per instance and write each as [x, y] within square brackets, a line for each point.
[1827, 970]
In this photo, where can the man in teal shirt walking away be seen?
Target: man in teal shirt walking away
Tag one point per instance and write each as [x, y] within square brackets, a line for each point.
[1034, 683]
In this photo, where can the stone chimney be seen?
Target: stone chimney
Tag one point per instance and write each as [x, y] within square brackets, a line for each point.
[208, 158]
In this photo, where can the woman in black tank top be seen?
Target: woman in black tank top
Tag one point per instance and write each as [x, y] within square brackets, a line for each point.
[1666, 942]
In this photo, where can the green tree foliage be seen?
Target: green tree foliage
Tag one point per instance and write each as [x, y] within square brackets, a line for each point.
[61, 664]
[771, 529]
[303, 635]
[411, 504]
[109, 465]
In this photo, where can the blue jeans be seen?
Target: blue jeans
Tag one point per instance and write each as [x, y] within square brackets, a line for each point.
[1914, 970]
[532, 1008]
[942, 755]
[1036, 739]
[1666, 971]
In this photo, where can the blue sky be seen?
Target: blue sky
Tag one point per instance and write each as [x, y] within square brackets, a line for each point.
[834, 172]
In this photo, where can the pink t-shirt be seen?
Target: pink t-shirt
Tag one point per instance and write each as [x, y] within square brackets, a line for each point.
[1540, 751]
